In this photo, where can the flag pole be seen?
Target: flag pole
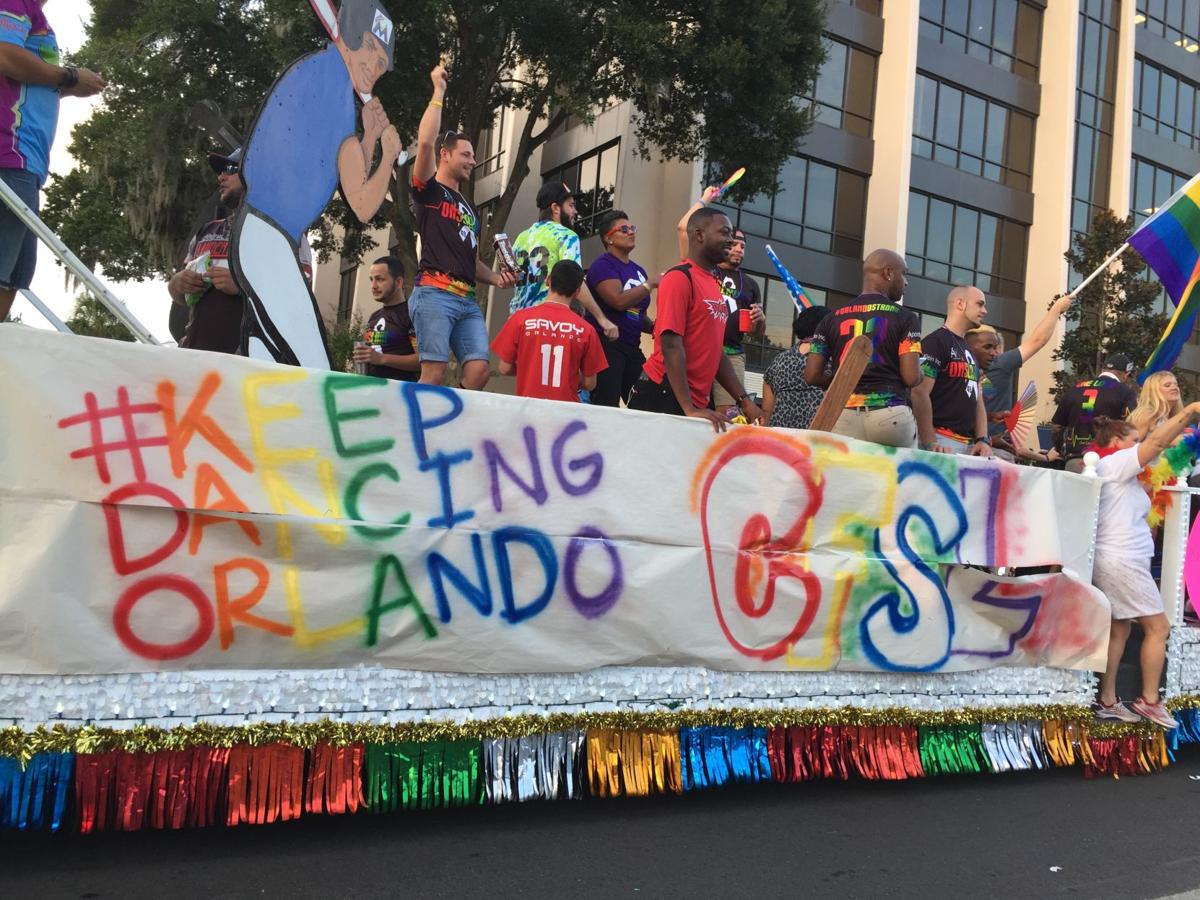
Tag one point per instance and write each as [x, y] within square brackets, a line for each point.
[1102, 267]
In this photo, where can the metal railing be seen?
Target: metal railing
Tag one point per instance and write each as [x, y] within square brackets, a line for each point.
[43, 233]
[47, 313]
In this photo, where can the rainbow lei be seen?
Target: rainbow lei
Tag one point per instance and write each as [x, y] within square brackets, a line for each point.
[1173, 462]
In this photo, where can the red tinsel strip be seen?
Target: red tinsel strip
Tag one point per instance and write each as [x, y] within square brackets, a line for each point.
[206, 786]
[910, 750]
[264, 784]
[95, 775]
[335, 780]
[777, 754]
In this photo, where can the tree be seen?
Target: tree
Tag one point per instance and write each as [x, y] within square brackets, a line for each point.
[1116, 313]
[715, 80]
[91, 317]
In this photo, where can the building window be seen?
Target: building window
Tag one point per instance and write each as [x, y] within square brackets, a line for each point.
[1176, 20]
[960, 245]
[817, 206]
[971, 133]
[1098, 36]
[843, 95]
[780, 312]
[490, 152]
[1165, 104]
[593, 177]
[1005, 33]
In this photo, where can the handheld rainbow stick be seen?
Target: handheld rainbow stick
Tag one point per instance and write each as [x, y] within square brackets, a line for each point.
[729, 182]
[799, 297]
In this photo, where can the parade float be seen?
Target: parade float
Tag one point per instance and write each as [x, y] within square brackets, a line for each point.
[235, 591]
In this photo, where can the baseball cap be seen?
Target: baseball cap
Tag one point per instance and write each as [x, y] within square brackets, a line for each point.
[1119, 362]
[219, 161]
[553, 192]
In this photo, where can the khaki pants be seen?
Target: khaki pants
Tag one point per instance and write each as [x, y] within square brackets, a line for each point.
[721, 396]
[893, 426]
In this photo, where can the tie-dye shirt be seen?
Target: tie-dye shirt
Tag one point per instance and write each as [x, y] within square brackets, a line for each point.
[28, 112]
[894, 330]
[537, 249]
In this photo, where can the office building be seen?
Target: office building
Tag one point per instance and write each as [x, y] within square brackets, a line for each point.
[974, 135]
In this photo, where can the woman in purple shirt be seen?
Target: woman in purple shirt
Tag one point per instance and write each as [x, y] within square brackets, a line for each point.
[622, 292]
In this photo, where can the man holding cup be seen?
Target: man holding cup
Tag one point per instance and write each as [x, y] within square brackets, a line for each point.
[745, 317]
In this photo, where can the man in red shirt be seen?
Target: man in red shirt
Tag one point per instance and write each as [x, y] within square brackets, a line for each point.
[689, 331]
[553, 351]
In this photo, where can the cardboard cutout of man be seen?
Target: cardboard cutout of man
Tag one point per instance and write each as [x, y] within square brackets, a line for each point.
[304, 145]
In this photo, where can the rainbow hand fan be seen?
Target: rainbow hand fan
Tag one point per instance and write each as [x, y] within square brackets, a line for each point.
[1023, 417]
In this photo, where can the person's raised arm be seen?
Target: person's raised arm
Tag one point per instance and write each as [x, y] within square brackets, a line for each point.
[1164, 435]
[425, 165]
[681, 226]
[1044, 330]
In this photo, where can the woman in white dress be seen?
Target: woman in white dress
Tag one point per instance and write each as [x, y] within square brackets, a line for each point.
[1124, 547]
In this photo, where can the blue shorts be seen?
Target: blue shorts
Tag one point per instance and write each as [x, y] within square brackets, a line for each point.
[18, 246]
[445, 322]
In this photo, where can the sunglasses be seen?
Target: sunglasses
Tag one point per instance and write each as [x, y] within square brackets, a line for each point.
[231, 169]
[624, 229]
[448, 138]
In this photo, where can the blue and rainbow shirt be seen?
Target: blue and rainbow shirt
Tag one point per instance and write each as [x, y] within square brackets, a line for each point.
[28, 112]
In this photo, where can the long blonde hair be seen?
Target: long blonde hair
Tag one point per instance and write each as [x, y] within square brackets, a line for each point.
[1152, 406]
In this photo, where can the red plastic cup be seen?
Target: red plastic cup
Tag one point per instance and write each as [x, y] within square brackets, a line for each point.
[745, 324]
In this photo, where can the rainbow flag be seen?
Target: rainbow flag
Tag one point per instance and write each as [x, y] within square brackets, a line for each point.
[1169, 241]
[799, 296]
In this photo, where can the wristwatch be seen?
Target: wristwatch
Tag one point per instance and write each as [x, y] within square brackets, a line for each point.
[983, 440]
[742, 399]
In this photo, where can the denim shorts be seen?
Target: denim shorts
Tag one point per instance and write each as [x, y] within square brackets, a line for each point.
[445, 322]
[18, 246]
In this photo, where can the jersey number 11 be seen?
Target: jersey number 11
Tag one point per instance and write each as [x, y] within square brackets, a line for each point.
[552, 378]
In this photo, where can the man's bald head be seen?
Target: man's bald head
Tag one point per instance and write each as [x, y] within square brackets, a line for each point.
[883, 273]
[966, 308]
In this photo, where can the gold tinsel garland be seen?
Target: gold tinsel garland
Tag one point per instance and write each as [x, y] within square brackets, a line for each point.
[16, 742]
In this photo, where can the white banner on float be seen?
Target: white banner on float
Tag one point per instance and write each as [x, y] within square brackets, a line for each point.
[166, 509]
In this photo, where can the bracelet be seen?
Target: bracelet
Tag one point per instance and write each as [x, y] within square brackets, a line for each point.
[742, 399]
[983, 440]
[436, 102]
[70, 78]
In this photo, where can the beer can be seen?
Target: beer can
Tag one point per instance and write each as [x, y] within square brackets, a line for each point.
[504, 252]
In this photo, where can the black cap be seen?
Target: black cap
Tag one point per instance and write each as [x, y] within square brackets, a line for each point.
[1119, 362]
[219, 161]
[553, 192]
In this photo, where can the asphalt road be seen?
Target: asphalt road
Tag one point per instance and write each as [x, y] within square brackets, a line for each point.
[1025, 835]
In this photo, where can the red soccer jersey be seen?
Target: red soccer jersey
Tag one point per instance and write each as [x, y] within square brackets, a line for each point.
[551, 346]
[694, 308]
